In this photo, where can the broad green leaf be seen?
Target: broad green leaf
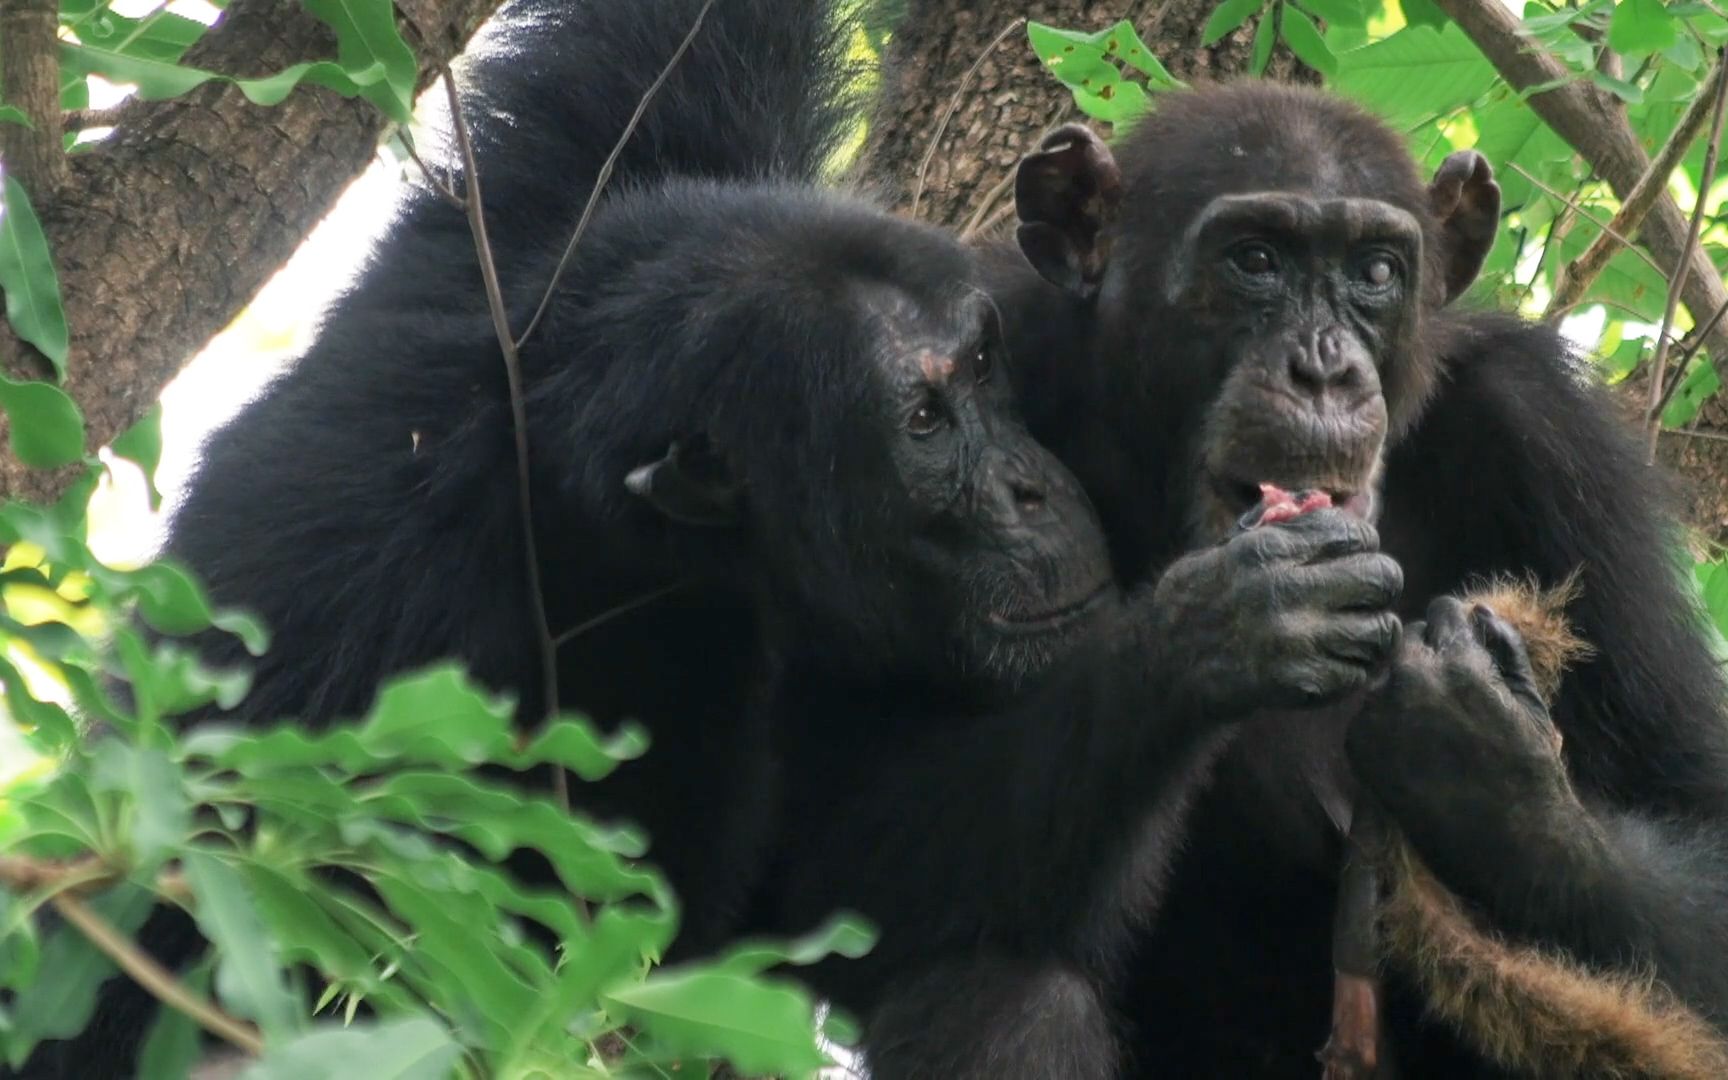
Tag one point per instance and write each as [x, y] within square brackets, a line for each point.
[1228, 16]
[47, 428]
[844, 935]
[12, 114]
[61, 1005]
[27, 277]
[174, 1042]
[248, 978]
[1074, 61]
[1700, 382]
[758, 1027]
[366, 40]
[1641, 26]
[1265, 36]
[411, 1048]
[1121, 103]
[1123, 42]
[1303, 37]
[1415, 73]
[1337, 13]
[612, 950]
[142, 444]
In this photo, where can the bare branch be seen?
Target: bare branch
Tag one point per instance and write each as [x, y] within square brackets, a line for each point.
[954, 104]
[80, 877]
[1660, 362]
[476, 209]
[1593, 126]
[152, 976]
[1576, 277]
[605, 174]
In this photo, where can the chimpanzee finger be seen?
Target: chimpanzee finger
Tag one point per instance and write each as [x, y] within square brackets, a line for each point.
[1448, 625]
[1360, 638]
[1511, 659]
[1363, 581]
[1330, 534]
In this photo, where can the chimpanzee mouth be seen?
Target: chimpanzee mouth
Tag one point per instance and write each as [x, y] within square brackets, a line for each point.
[1022, 622]
[1240, 496]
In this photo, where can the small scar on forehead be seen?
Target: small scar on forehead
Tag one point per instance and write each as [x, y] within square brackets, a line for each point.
[935, 366]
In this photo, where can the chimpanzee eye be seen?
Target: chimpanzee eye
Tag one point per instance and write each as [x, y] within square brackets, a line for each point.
[927, 418]
[1254, 258]
[1378, 271]
[983, 363]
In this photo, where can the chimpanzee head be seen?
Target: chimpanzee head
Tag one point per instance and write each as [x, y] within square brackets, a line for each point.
[830, 424]
[1262, 259]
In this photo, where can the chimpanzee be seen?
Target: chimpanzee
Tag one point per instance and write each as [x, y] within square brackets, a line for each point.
[888, 667]
[1263, 286]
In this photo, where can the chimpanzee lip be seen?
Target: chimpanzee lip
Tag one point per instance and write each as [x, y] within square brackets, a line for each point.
[1050, 618]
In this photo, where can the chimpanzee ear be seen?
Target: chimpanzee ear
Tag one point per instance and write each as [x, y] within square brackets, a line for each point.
[1067, 195]
[1467, 201]
[688, 488]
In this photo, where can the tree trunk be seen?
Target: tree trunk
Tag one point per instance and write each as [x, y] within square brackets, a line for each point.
[166, 230]
[1009, 102]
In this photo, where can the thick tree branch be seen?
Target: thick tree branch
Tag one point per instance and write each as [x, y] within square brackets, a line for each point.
[1588, 119]
[30, 82]
[168, 229]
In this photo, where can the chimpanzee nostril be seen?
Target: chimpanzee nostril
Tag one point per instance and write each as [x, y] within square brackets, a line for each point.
[1028, 497]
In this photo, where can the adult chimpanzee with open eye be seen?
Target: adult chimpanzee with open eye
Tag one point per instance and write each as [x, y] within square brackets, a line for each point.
[1263, 284]
[895, 673]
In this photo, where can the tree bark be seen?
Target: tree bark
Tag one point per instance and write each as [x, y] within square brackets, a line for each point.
[166, 230]
[1010, 101]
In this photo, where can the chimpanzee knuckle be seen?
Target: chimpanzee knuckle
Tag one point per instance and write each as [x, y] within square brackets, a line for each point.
[1333, 534]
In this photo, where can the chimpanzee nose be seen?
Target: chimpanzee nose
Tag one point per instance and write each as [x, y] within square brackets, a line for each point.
[1322, 363]
[1019, 491]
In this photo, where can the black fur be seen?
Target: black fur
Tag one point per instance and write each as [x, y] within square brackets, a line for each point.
[872, 691]
[1506, 457]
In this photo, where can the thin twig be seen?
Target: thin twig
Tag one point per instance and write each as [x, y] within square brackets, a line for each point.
[152, 976]
[1685, 433]
[438, 185]
[1576, 277]
[605, 173]
[614, 612]
[1578, 208]
[80, 877]
[518, 417]
[1706, 177]
[1689, 349]
[976, 221]
[953, 107]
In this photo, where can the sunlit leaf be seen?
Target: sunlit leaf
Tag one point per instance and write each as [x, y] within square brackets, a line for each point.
[1227, 17]
[367, 40]
[1415, 73]
[142, 444]
[1303, 37]
[1641, 26]
[759, 1028]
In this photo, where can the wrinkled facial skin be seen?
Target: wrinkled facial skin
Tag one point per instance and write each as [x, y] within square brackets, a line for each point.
[1305, 300]
[996, 531]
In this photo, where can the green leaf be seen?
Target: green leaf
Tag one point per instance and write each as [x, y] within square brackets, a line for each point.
[1641, 26]
[159, 814]
[1337, 13]
[47, 428]
[1121, 103]
[843, 935]
[158, 81]
[1700, 382]
[1228, 16]
[1629, 92]
[367, 39]
[12, 114]
[411, 1048]
[1265, 36]
[248, 978]
[1123, 42]
[27, 277]
[758, 1027]
[1074, 61]
[61, 1005]
[174, 1044]
[142, 444]
[1415, 74]
[1303, 37]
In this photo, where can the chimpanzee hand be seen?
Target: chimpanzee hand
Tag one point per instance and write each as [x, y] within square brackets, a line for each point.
[1459, 748]
[1278, 616]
